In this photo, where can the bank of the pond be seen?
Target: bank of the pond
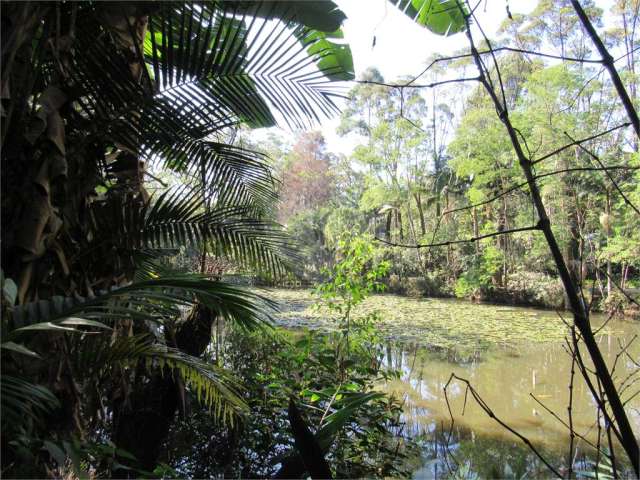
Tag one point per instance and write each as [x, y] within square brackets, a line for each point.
[522, 289]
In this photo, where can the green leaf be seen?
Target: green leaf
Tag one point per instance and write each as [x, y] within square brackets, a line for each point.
[335, 59]
[84, 322]
[443, 17]
[47, 326]
[22, 400]
[125, 454]
[9, 291]
[337, 419]
[61, 326]
[56, 452]
[16, 347]
[319, 15]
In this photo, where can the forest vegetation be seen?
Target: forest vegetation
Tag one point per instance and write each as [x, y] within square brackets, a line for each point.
[140, 212]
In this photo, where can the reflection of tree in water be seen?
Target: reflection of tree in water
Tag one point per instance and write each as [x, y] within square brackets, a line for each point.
[493, 458]
[505, 378]
[408, 357]
[461, 453]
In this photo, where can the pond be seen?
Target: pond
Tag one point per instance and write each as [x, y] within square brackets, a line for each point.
[516, 360]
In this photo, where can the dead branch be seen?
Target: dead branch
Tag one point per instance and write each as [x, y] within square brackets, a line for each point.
[482, 404]
[454, 242]
[615, 184]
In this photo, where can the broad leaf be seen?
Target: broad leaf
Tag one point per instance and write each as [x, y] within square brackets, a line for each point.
[444, 17]
[16, 347]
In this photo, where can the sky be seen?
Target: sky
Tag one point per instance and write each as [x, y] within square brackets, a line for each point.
[402, 46]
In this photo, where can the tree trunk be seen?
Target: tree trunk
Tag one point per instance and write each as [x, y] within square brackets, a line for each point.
[423, 225]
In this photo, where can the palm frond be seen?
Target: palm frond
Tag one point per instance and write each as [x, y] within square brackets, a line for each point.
[22, 400]
[215, 65]
[235, 57]
[235, 175]
[213, 386]
[152, 300]
[179, 217]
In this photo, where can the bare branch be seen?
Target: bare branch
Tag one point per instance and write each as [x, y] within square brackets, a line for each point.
[572, 433]
[503, 49]
[482, 404]
[565, 424]
[580, 314]
[579, 142]
[454, 242]
[428, 85]
[615, 184]
[538, 177]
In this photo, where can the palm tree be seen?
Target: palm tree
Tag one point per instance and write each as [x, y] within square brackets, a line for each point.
[96, 341]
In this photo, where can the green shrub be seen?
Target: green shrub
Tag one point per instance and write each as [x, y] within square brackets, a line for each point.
[534, 288]
[394, 284]
[417, 287]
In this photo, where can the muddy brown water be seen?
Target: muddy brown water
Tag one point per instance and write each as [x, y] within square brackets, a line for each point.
[512, 356]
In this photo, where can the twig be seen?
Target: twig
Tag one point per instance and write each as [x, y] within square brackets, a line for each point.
[538, 177]
[333, 397]
[624, 386]
[631, 397]
[454, 242]
[578, 142]
[557, 417]
[493, 416]
[600, 400]
[501, 49]
[615, 184]
[572, 433]
[615, 284]
[621, 352]
[604, 324]
[608, 426]
[427, 85]
[580, 315]
[161, 182]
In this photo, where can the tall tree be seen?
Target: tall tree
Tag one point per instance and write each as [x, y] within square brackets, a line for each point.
[307, 179]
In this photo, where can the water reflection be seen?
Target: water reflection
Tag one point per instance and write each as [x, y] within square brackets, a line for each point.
[507, 353]
[506, 378]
